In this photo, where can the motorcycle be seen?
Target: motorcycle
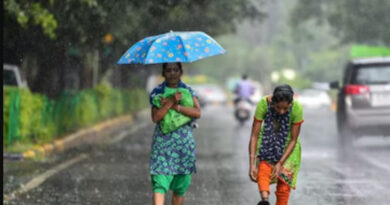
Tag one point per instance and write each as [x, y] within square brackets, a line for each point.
[242, 110]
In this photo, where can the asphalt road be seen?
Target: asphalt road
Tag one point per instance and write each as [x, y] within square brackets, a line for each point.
[115, 171]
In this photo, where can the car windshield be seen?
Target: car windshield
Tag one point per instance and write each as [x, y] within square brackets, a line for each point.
[9, 78]
[372, 75]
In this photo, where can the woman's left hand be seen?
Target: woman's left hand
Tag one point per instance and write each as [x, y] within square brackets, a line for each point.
[276, 170]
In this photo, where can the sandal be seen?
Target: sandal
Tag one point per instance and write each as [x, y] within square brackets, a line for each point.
[263, 202]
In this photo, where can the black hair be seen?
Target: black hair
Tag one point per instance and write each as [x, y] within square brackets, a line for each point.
[244, 76]
[283, 93]
[164, 66]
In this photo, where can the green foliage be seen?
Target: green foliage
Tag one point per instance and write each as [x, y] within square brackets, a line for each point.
[47, 127]
[10, 125]
[103, 91]
[30, 126]
[39, 120]
[308, 48]
[25, 12]
[44, 18]
[325, 65]
[111, 101]
[63, 114]
[29, 105]
[86, 110]
[356, 21]
[117, 99]
[70, 29]
[135, 99]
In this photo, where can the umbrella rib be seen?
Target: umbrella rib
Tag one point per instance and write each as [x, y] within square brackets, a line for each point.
[147, 53]
[184, 48]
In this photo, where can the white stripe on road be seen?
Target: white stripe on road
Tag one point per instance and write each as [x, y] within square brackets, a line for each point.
[127, 132]
[35, 182]
[374, 162]
[340, 169]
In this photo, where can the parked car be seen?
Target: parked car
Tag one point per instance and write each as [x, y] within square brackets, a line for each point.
[210, 94]
[12, 76]
[363, 105]
[314, 99]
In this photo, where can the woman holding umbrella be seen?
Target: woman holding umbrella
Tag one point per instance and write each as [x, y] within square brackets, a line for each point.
[172, 160]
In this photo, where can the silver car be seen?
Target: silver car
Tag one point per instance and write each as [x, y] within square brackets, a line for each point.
[363, 106]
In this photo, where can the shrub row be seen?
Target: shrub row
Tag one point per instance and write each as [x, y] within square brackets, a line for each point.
[33, 118]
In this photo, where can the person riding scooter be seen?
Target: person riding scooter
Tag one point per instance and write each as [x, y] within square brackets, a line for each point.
[243, 103]
[244, 90]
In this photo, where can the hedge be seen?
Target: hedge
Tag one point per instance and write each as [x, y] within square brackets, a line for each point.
[33, 118]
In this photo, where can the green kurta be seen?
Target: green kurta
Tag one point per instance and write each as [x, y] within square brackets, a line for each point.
[291, 166]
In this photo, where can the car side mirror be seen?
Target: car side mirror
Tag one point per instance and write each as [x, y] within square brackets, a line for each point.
[334, 85]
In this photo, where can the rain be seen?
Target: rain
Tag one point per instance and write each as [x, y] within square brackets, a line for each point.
[102, 98]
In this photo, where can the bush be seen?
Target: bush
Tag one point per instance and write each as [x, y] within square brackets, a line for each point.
[103, 92]
[27, 115]
[86, 109]
[33, 118]
[10, 123]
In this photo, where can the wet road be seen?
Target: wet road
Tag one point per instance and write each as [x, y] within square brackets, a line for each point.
[116, 171]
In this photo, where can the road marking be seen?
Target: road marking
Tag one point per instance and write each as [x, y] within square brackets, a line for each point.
[374, 162]
[35, 182]
[339, 169]
[127, 132]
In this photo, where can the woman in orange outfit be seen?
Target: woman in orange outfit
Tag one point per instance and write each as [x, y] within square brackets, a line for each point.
[274, 148]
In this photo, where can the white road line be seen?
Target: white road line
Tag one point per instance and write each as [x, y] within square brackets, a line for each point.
[127, 132]
[35, 182]
[350, 182]
[374, 162]
[338, 168]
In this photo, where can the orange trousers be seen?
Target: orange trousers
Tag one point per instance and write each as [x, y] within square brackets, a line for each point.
[264, 172]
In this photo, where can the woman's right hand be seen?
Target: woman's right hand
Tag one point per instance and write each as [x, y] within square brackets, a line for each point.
[253, 173]
[168, 102]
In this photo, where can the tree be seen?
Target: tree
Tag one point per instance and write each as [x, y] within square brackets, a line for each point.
[67, 36]
[357, 21]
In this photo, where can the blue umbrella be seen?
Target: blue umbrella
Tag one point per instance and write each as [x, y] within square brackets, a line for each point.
[170, 47]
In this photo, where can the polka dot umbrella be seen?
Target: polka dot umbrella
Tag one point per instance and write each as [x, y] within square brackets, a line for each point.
[185, 47]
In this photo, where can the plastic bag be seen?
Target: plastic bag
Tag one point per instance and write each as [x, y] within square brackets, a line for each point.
[173, 120]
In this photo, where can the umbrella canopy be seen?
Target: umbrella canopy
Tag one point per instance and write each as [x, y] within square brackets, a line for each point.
[185, 47]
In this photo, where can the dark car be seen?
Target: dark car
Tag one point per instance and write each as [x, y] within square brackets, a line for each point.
[363, 105]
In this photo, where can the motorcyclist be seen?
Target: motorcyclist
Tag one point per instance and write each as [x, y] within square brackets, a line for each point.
[244, 90]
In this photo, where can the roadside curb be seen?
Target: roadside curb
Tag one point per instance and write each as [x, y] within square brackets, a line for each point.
[74, 139]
